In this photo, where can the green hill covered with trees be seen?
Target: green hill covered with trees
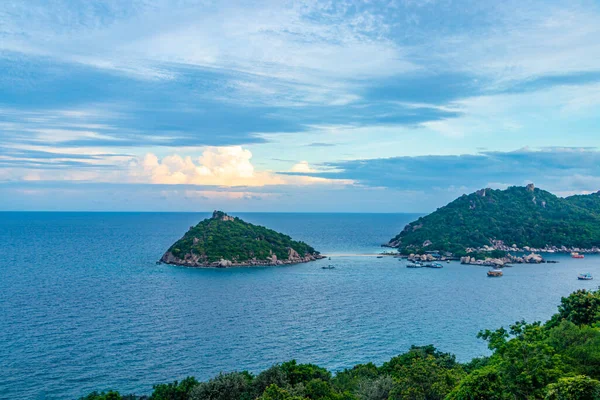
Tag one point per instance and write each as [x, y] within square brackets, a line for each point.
[558, 360]
[521, 216]
[223, 241]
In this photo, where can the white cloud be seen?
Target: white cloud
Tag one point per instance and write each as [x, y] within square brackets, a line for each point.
[517, 112]
[223, 166]
[306, 51]
[302, 166]
[527, 40]
[220, 166]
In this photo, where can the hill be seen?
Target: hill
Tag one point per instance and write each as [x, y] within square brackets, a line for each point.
[517, 217]
[223, 241]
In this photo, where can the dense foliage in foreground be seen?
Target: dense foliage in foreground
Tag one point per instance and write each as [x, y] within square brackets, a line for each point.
[518, 215]
[558, 360]
[228, 238]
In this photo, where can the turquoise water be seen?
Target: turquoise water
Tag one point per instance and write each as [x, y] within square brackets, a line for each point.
[83, 305]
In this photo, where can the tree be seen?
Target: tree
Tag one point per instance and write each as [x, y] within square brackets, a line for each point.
[232, 386]
[579, 347]
[274, 392]
[274, 375]
[175, 390]
[351, 379]
[297, 373]
[375, 389]
[481, 384]
[318, 389]
[576, 388]
[526, 362]
[581, 308]
[110, 395]
[424, 378]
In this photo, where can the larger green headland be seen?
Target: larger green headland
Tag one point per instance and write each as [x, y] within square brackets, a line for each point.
[518, 218]
[225, 241]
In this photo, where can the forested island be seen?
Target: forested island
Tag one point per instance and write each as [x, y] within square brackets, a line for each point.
[557, 360]
[518, 219]
[226, 241]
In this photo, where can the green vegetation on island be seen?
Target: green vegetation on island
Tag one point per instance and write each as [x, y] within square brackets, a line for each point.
[224, 241]
[504, 220]
[558, 360]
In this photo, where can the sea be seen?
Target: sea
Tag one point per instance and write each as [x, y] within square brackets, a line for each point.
[84, 306]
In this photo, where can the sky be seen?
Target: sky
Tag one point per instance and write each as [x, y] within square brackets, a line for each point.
[294, 106]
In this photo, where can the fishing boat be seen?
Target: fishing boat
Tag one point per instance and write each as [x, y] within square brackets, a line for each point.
[379, 256]
[585, 277]
[495, 273]
[577, 255]
[328, 267]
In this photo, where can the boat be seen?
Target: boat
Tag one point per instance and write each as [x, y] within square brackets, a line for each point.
[495, 273]
[577, 255]
[379, 256]
[585, 277]
[434, 265]
[414, 265]
[328, 267]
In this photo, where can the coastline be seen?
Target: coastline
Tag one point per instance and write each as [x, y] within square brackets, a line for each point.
[169, 259]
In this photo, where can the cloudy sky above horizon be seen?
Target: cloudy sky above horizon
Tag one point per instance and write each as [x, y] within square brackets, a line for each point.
[350, 106]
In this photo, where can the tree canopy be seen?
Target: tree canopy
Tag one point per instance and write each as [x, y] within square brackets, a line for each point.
[518, 215]
[229, 238]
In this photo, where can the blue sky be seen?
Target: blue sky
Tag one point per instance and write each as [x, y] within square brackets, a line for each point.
[354, 106]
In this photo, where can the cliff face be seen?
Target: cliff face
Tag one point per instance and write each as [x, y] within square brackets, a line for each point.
[518, 217]
[226, 241]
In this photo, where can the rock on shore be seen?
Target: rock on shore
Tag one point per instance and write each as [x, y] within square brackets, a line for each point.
[509, 259]
[193, 260]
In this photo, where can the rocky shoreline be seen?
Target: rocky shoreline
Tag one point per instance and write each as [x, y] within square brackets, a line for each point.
[504, 261]
[195, 261]
[499, 245]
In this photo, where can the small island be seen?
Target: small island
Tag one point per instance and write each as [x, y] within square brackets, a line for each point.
[496, 227]
[225, 241]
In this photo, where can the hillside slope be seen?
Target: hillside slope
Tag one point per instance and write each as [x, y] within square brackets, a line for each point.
[521, 216]
[223, 241]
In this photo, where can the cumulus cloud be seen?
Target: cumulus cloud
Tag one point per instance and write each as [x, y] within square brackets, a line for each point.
[219, 166]
[223, 166]
[302, 166]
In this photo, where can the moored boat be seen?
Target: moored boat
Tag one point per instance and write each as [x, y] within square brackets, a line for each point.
[585, 277]
[434, 265]
[577, 255]
[495, 273]
[414, 265]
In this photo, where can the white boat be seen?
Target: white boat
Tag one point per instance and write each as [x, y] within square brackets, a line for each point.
[585, 277]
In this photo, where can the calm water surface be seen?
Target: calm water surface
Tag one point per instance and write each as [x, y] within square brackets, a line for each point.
[83, 305]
